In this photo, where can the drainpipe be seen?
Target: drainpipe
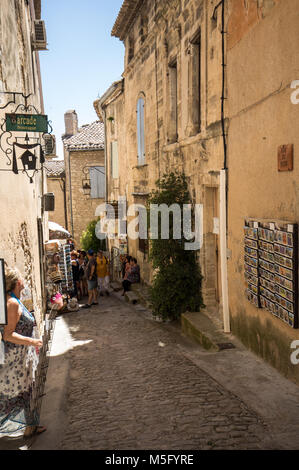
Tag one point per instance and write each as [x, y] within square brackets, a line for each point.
[223, 251]
[105, 153]
[63, 189]
[70, 188]
[223, 187]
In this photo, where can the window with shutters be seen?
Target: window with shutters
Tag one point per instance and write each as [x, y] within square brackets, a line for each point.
[97, 182]
[114, 159]
[140, 132]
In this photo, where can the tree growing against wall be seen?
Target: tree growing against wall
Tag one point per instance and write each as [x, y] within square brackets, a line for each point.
[176, 286]
[89, 240]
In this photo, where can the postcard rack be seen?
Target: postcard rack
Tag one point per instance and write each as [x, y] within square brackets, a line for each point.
[271, 268]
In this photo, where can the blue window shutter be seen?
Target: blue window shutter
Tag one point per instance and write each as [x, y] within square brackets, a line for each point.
[97, 182]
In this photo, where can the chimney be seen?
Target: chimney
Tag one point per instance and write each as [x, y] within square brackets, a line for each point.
[71, 123]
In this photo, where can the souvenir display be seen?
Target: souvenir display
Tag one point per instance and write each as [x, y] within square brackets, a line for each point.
[66, 269]
[254, 299]
[271, 251]
[266, 246]
[251, 243]
[252, 279]
[251, 265]
[267, 256]
[268, 285]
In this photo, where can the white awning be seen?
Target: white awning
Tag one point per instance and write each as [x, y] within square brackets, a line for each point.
[54, 227]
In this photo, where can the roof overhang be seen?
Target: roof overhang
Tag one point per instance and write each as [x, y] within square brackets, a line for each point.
[38, 9]
[125, 18]
[110, 95]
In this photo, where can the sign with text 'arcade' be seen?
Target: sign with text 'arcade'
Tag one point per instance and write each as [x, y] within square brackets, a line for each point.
[26, 123]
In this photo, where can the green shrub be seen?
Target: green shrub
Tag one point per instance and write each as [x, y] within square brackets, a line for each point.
[176, 286]
[89, 239]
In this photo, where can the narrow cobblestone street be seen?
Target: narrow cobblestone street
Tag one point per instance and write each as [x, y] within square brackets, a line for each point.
[131, 387]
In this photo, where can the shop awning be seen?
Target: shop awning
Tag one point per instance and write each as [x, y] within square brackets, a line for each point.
[56, 231]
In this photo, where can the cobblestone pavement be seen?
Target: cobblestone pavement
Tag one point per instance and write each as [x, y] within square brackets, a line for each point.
[132, 388]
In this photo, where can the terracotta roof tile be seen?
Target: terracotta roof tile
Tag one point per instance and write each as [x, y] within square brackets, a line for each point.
[54, 168]
[89, 137]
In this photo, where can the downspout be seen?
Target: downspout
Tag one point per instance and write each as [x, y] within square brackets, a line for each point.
[157, 110]
[63, 189]
[70, 186]
[223, 188]
[106, 166]
[105, 153]
[65, 204]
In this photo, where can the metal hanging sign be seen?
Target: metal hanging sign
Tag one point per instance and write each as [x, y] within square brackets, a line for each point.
[24, 153]
[26, 123]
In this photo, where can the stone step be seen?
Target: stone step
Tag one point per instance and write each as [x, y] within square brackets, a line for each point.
[136, 287]
[116, 286]
[144, 299]
[132, 297]
[201, 328]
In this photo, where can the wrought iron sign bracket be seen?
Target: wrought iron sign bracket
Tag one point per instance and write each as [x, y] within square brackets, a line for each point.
[15, 143]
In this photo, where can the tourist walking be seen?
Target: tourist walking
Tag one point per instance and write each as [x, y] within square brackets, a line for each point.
[91, 274]
[82, 275]
[102, 273]
[76, 277]
[19, 360]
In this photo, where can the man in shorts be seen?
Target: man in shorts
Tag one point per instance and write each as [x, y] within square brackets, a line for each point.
[91, 274]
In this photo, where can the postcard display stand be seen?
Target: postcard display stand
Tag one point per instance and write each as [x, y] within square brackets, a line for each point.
[271, 268]
[66, 269]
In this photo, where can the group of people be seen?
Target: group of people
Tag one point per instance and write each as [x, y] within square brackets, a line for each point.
[90, 275]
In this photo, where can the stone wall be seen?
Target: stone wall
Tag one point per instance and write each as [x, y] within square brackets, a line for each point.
[81, 207]
[262, 117]
[56, 185]
[20, 201]
[168, 42]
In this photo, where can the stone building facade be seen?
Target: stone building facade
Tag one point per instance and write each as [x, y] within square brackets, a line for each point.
[24, 223]
[167, 115]
[262, 63]
[56, 184]
[209, 88]
[85, 172]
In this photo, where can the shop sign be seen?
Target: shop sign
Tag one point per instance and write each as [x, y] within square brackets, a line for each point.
[26, 123]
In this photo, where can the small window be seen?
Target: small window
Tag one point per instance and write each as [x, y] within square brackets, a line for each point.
[143, 29]
[97, 182]
[173, 102]
[140, 132]
[114, 159]
[131, 49]
[196, 82]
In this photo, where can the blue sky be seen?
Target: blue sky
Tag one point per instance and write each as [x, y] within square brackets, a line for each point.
[83, 59]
